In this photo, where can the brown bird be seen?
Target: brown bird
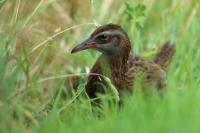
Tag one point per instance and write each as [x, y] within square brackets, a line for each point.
[117, 62]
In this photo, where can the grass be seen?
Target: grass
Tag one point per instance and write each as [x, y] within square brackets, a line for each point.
[35, 60]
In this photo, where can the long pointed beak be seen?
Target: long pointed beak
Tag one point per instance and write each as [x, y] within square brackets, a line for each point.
[87, 44]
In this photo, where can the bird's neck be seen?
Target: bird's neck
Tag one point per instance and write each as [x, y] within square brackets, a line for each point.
[115, 65]
[115, 68]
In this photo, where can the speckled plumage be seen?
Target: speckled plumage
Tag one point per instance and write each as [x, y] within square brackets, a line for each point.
[122, 67]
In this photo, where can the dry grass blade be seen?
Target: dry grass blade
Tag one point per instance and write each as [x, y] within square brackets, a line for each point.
[33, 13]
[56, 34]
[191, 17]
[15, 14]
[111, 88]
[67, 75]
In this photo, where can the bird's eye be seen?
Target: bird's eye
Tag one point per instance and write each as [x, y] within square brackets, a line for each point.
[103, 37]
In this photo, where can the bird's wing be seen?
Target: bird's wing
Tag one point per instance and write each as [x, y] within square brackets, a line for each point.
[146, 71]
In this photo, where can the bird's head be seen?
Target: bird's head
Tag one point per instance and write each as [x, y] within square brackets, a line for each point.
[109, 39]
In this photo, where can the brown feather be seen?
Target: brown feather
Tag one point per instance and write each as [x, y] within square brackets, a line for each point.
[123, 68]
[164, 57]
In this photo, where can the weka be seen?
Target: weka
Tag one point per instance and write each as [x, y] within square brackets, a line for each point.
[117, 62]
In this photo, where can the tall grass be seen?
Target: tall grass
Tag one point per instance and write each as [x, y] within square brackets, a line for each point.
[35, 60]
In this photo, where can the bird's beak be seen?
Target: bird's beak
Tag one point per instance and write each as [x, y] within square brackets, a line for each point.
[87, 44]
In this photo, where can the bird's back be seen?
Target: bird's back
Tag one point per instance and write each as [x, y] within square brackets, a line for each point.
[149, 72]
[144, 73]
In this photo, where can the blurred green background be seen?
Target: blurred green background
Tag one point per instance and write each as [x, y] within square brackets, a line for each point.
[36, 37]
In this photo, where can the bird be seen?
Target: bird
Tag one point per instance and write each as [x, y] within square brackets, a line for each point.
[120, 64]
